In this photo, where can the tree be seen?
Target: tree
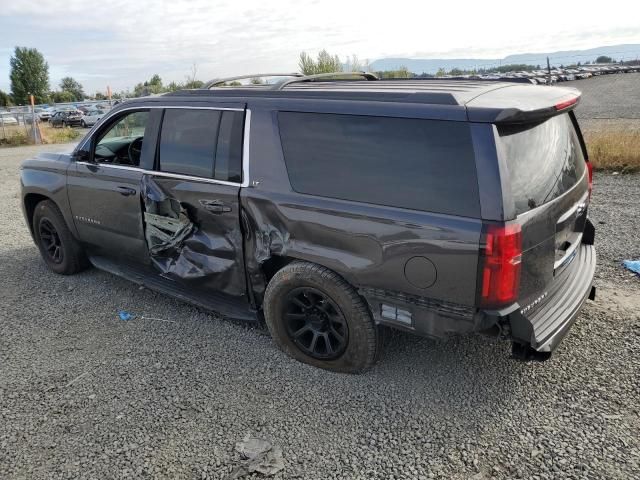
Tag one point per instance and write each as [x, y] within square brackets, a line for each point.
[173, 87]
[402, 72]
[604, 59]
[256, 81]
[441, 72]
[68, 84]
[151, 86]
[29, 75]
[193, 84]
[155, 81]
[5, 99]
[100, 96]
[191, 78]
[353, 64]
[63, 97]
[325, 63]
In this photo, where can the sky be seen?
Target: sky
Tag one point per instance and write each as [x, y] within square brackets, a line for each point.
[122, 42]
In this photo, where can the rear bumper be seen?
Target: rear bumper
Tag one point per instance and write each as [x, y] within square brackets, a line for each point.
[545, 327]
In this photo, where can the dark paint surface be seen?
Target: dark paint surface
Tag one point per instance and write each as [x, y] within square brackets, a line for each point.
[369, 245]
[94, 192]
[211, 256]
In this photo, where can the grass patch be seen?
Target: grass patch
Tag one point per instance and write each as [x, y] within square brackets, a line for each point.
[58, 135]
[614, 149]
[16, 135]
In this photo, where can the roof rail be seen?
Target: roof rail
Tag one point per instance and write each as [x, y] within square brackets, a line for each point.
[218, 81]
[307, 78]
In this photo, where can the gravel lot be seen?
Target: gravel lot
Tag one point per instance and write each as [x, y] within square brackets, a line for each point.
[609, 101]
[86, 395]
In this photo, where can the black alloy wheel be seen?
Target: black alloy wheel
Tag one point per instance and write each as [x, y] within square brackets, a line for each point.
[50, 240]
[315, 323]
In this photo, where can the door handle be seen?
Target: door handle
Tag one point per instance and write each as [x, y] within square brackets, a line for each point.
[215, 206]
[126, 191]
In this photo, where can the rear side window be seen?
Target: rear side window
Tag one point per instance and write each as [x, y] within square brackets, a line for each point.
[228, 164]
[544, 160]
[417, 164]
[202, 143]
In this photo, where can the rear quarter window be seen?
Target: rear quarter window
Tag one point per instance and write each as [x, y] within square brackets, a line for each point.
[544, 160]
[425, 165]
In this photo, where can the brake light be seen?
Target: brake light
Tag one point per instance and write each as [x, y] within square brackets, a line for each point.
[566, 103]
[590, 172]
[501, 268]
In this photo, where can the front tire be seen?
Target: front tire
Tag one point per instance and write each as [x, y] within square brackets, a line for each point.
[83, 124]
[59, 249]
[316, 317]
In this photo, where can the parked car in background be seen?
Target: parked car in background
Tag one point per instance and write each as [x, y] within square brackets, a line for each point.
[91, 117]
[66, 119]
[46, 113]
[8, 119]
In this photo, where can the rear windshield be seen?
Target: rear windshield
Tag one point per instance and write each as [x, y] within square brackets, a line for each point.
[544, 160]
[423, 165]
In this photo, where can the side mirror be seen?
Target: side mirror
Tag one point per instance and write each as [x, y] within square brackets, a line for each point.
[83, 156]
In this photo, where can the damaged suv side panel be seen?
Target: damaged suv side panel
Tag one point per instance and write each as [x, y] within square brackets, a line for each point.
[396, 258]
[189, 242]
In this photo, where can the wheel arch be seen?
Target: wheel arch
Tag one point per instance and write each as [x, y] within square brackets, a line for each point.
[275, 263]
[30, 201]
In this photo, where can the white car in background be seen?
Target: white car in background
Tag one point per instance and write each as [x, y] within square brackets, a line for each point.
[90, 118]
[7, 119]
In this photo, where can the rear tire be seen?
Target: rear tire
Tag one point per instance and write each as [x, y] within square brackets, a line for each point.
[316, 317]
[59, 249]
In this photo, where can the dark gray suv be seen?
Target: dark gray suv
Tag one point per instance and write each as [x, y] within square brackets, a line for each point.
[332, 207]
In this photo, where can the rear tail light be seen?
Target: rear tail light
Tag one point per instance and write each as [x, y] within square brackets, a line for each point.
[501, 265]
[590, 172]
[566, 104]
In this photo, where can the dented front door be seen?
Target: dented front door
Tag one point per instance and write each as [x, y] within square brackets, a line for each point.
[192, 228]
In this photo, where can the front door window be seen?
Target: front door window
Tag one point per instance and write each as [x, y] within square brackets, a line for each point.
[121, 142]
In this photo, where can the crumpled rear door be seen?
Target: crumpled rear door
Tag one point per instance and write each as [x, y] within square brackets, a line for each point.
[192, 229]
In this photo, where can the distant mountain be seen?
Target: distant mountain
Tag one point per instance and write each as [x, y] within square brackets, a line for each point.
[431, 65]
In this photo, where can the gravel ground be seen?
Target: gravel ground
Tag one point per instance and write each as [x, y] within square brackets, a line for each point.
[608, 96]
[86, 395]
[609, 102]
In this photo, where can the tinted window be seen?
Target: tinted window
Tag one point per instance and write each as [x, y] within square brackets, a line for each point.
[202, 143]
[544, 160]
[188, 141]
[228, 165]
[418, 164]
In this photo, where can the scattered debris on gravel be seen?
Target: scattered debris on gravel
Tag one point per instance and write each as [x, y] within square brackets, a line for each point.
[86, 395]
[258, 456]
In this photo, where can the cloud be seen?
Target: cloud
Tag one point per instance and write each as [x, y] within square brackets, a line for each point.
[122, 42]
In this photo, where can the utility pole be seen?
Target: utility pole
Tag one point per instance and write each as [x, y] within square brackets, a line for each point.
[548, 72]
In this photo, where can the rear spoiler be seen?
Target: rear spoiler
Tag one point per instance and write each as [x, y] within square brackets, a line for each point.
[522, 104]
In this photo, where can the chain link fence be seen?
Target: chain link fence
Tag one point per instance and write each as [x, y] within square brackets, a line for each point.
[19, 127]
